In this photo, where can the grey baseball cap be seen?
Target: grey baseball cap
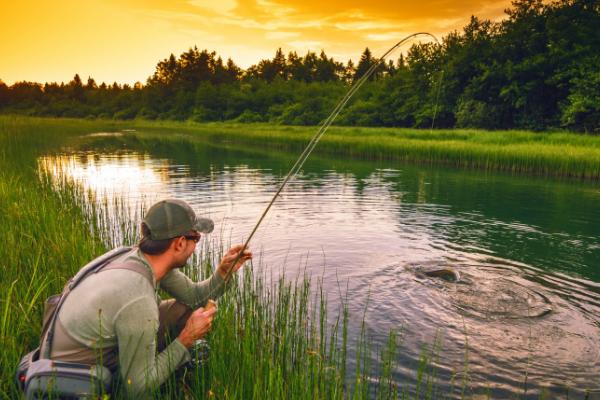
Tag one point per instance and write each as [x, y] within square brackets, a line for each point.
[171, 218]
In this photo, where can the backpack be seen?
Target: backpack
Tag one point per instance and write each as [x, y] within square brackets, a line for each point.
[40, 377]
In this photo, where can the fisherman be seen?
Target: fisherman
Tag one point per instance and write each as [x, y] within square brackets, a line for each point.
[116, 318]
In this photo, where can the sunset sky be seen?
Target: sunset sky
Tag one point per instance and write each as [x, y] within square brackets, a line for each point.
[122, 40]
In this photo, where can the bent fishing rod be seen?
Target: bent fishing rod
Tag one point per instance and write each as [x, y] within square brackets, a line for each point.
[315, 139]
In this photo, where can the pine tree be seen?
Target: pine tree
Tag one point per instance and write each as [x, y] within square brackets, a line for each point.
[91, 84]
[76, 88]
[4, 94]
[233, 71]
[349, 72]
[279, 64]
[365, 62]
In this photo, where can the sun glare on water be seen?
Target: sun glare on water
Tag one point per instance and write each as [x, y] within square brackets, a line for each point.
[111, 176]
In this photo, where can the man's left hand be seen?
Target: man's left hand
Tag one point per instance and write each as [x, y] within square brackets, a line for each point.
[226, 267]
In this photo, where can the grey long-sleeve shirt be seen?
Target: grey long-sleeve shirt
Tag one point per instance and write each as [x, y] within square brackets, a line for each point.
[118, 309]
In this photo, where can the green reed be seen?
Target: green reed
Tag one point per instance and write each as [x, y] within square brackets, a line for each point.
[45, 235]
[561, 154]
[549, 153]
[271, 339]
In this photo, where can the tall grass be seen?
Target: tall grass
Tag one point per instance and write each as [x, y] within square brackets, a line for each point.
[45, 236]
[560, 154]
[270, 339]
[548, 153]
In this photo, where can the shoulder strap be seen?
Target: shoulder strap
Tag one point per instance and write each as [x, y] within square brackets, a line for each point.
[93, 266]
[131, 266]
[97, 264]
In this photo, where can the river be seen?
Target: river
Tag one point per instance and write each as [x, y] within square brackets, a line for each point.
[524, 318]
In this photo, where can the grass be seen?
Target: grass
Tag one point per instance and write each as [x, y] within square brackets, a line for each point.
[46, 236]
[271, 339]
[560, 154]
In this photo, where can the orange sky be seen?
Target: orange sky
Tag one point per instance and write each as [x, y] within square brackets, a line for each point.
[122, 40]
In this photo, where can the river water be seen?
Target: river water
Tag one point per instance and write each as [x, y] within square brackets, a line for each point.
[524, 318]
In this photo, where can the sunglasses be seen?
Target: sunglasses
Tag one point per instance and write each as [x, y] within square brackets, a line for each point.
[195, 238]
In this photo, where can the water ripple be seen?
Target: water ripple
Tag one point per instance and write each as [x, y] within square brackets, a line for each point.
[525, 314]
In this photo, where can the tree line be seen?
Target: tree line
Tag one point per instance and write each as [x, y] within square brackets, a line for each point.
[539, 68]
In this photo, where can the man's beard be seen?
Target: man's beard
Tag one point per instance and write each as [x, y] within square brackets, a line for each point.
[181, 264]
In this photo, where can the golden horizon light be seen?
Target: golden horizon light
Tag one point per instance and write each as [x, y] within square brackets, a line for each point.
[122, 41]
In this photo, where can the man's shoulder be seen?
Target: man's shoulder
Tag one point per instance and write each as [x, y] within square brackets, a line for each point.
[132, 261]
[111, 291]
[114, 286]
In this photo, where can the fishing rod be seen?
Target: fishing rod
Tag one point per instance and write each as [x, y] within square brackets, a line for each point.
[315, 139]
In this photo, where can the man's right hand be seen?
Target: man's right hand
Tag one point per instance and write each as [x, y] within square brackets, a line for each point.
[197, 325]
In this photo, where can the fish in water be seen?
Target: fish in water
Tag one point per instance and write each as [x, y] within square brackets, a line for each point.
[445, 273]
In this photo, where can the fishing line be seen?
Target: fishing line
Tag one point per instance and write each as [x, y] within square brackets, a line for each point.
[315, 139]
[437, 100]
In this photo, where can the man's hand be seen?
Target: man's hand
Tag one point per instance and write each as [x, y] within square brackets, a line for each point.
[197, 325]
[226, 267]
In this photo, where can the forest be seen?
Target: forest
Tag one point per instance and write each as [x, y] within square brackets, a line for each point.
[537, 69]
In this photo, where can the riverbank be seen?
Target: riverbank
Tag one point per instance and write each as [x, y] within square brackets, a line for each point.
[45, 235]
[557, 154]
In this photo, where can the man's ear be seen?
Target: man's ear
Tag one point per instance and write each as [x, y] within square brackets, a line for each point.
[178, 244]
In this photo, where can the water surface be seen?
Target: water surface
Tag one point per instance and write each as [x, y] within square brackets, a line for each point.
[525, 316]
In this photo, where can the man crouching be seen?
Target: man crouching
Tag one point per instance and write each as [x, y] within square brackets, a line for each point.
[115, 317]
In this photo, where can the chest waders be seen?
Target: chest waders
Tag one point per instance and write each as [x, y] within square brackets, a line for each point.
[41, 377]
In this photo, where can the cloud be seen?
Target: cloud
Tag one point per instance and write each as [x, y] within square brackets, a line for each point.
[349, 15]
[343, 28]
[364, 25]
[385, 37]
[275, 9]
[221, 6]
[305, 45]
[392, 9]
[278, 35]
[123, 39]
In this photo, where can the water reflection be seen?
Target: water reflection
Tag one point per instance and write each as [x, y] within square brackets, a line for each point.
[133, 176]
[526, 314]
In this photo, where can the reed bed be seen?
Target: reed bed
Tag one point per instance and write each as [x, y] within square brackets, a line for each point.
[559, 154]
[556, 154]
[45, 237]
[271, 339]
